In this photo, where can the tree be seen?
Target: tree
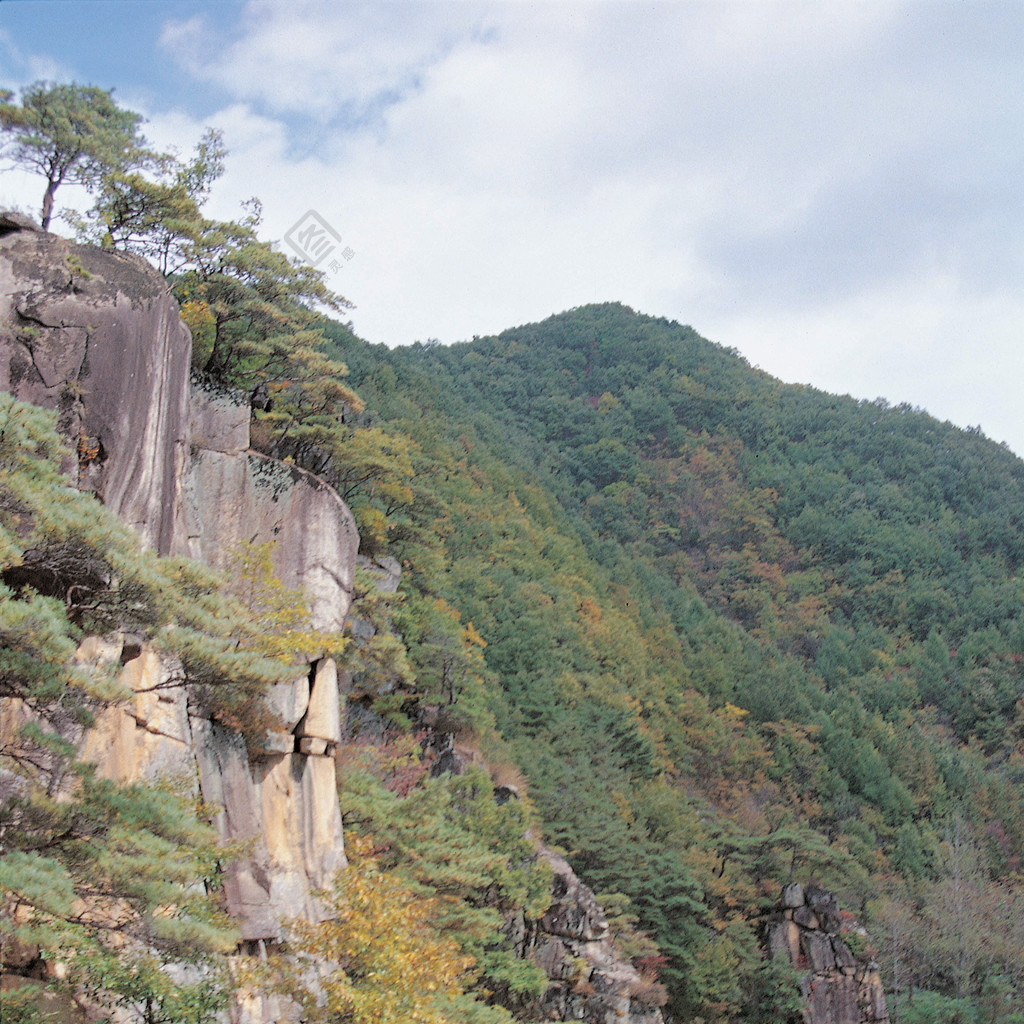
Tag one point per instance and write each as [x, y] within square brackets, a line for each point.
[71, 134]
[156, 215]
[385, 963]
[450, 840]
[280, 615]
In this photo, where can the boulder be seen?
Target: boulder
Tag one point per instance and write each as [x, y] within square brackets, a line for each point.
[818, 950]
[823, 903]
[793, 895]
[783, 936]
[805, 917]
[323, 715]
[289, 702]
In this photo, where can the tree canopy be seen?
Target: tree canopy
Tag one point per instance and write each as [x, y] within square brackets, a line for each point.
[72, 135]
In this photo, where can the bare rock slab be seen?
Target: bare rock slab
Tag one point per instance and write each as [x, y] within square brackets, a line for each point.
[244, 497]
[97, 337]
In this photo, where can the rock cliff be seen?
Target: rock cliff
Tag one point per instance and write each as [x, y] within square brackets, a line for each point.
[588, 980]
[97, 337]
[838, 988]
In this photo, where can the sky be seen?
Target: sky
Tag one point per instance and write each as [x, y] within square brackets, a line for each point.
[835, 189]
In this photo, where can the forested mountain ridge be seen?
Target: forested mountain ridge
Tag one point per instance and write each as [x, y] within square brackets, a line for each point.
[708, 633]
[735, 629]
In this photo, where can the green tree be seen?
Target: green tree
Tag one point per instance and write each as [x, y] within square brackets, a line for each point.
[155, 214]
[72, 135]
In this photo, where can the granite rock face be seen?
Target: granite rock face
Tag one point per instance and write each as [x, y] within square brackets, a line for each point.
[238, 496]
[97, 336]
[282, 805]
[837, 988]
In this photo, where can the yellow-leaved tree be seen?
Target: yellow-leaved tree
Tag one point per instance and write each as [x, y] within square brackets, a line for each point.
[383, 960]
[280, 615]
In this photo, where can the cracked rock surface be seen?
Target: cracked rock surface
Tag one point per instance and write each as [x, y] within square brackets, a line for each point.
[838, 988]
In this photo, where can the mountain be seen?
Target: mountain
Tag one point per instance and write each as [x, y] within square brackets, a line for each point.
[736, 631]
[646, 665]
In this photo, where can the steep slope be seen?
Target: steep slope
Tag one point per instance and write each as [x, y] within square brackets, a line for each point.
[735, 627]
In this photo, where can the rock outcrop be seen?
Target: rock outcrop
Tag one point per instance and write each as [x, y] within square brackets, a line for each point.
[838, 988]
[97, 337]
[239, 496]
[588, 979]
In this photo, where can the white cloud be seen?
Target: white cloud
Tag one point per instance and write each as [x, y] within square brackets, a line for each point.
[319, 59]
[831, 188]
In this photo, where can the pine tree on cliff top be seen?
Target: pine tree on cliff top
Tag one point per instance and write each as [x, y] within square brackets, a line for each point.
[71, 134]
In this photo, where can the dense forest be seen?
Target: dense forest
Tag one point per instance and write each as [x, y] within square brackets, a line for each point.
[718, 632]
[736, 631]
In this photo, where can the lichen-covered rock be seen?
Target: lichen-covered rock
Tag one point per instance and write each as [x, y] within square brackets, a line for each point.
[97, 337]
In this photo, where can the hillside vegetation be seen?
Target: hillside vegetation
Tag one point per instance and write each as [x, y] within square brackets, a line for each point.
[734, 631]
